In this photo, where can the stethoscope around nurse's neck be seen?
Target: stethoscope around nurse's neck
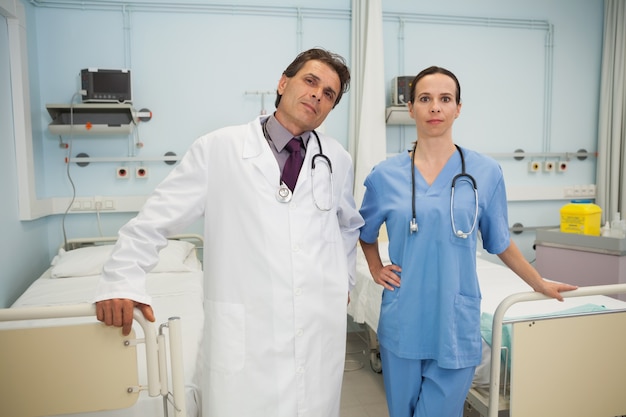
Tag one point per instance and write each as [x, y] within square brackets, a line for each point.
[413, 228]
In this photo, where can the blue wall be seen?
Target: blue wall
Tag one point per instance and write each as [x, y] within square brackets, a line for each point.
[194, 67]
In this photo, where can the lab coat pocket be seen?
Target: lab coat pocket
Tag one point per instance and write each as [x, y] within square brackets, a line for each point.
[226, 336]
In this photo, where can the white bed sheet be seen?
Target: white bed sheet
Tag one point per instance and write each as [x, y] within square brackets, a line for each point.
[365, 298]
[174, 294]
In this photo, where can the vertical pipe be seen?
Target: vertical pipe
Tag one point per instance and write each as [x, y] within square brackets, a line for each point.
[299, 30]
[126, 26]
[401, 63]
[548, 67]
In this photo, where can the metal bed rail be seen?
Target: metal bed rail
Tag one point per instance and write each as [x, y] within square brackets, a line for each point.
[155, 348]
[498, 319]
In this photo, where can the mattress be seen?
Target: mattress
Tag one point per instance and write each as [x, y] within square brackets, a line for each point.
[175, 291]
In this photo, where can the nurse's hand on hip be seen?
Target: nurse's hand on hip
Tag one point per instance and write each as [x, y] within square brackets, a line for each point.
[118, 312]
[386, 275]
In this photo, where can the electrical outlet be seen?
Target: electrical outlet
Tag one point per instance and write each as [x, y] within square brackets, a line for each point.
[580, 191]
[93, 204]
[533, 166]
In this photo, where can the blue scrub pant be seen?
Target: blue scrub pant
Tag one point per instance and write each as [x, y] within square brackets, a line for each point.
[420, 388]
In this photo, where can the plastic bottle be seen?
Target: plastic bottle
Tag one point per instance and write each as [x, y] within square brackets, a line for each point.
[605, 230]
[616, 227]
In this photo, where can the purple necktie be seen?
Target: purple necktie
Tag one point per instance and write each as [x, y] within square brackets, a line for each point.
[293, 164]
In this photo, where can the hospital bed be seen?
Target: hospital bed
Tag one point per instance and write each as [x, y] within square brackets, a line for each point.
[57, 359]
[546, 358]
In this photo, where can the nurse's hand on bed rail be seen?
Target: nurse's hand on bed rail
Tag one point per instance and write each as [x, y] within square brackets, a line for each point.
[513, 258]
[554, 289]
[386, 275]
[118, 312]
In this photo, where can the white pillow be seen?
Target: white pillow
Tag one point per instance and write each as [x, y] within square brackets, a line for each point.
[89, 260]
[174, 256]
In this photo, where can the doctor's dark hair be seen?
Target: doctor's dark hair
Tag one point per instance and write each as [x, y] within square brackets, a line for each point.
[435, 70]
[335, 61]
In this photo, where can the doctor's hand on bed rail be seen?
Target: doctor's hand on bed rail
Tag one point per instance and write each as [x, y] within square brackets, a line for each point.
[118, 312]
[386, 275]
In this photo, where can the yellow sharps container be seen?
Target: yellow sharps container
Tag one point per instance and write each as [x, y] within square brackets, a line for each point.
[581, 217]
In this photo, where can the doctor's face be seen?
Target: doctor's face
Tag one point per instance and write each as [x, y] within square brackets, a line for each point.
[307, 97]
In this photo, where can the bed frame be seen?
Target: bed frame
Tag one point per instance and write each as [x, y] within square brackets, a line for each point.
[560, 366]
[84, 355]
[88, 365]
[77, 243]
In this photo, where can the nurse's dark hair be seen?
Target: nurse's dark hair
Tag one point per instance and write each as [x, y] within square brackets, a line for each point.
[435, 70]
[335, 61]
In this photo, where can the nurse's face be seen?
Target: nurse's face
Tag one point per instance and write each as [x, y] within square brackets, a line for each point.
[435, 108]
[307, 97]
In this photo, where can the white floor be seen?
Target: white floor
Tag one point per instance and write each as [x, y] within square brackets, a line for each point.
[363, 394]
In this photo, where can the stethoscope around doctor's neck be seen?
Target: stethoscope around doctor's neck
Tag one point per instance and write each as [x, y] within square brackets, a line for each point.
[462, 176]
[284, 194]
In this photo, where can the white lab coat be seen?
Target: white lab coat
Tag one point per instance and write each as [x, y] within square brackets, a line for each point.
[276, 274]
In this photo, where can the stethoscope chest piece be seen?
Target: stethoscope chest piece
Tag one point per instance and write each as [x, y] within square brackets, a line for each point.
[283, 194]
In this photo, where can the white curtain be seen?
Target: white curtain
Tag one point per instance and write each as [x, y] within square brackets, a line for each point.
[367, 134]
[611, 184]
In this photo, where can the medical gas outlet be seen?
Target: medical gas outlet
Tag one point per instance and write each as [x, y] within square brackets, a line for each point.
[534, 166]
[122, 172]
[141, 172]
[548, 166]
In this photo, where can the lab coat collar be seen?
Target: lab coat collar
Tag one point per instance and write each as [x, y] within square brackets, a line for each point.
[256, 149]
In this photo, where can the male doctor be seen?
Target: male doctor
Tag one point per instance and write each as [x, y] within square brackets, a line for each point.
[279, 258]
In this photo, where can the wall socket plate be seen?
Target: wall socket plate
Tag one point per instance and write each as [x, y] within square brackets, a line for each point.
[580, 191]
[93, 204]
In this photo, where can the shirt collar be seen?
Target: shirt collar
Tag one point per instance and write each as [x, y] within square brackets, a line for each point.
[280, 136]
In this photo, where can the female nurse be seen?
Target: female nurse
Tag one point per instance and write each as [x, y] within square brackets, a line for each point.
[429, 328]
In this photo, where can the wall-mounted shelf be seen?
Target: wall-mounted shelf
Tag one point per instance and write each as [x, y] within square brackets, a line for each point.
[398, 115]
[91, 119]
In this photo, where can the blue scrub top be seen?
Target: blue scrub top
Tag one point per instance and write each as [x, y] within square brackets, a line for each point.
[435, 313]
